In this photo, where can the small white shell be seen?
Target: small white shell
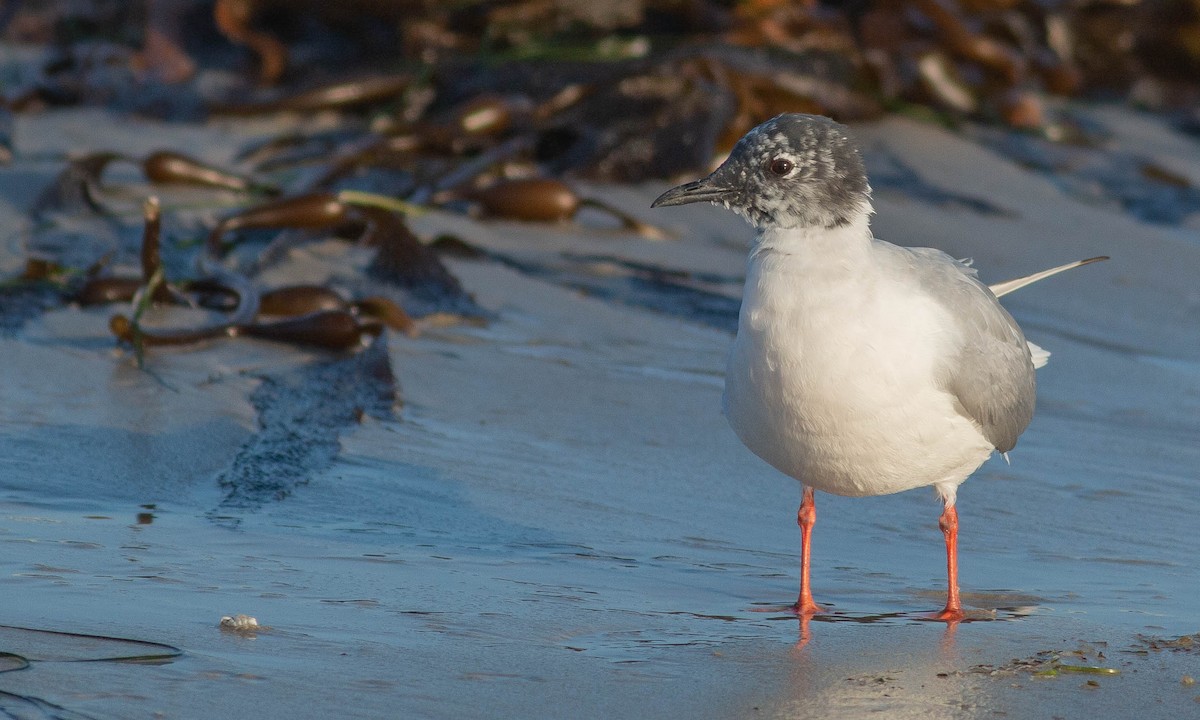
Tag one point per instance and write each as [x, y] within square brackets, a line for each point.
[239, 623]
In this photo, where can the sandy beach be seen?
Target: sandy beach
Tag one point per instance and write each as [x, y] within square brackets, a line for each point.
[553, 519]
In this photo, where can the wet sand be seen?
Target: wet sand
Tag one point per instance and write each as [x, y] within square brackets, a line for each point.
[558, 523]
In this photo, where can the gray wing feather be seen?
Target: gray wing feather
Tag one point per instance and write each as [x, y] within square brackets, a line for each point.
[992, 374]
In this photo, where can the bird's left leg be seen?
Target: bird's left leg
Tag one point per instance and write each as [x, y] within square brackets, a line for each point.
[949, 525]
[806, 518]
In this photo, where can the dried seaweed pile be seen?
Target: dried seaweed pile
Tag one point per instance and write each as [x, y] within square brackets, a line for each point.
[634, 62]
[404, 270]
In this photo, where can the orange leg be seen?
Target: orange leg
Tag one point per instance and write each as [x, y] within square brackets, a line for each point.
[806, 518]
[949, 525]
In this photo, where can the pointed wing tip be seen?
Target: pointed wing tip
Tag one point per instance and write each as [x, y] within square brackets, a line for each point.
[1003, 288]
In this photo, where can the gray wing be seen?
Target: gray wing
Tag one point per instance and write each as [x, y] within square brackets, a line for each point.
[992, 374]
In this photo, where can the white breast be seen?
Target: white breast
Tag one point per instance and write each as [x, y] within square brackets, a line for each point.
[832, 376]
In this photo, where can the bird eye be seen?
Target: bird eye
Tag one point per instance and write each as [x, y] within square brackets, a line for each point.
[781, 166]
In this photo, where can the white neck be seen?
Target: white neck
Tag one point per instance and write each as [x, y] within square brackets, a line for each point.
[817, 243]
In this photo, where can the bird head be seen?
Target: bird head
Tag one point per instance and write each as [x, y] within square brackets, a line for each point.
[794, 170]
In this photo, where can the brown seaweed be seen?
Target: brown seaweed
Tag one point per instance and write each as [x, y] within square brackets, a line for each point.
[294, 300]
[387, 312]
[330, 329]
[337, 96]
[235, 18]
[311, 211]
[39, 269]
[130, 330]
[101, 290]
[151, 257]
[174, 168]
[532, 199]
[549, 200]
[126, 330]
[105, 290]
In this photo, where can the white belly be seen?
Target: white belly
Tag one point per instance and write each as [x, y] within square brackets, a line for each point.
[832, 380]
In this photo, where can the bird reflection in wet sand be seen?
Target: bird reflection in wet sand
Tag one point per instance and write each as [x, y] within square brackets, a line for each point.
[860, 367]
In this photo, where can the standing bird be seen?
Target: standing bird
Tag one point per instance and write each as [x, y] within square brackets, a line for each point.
[860, 367]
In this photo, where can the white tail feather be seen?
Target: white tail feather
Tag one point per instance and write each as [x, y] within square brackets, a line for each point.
[1039, 355]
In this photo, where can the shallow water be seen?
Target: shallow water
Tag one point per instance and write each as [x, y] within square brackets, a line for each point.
[559, 523]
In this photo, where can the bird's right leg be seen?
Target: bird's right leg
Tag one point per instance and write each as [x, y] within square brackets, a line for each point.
[949, 526]
[806, 517]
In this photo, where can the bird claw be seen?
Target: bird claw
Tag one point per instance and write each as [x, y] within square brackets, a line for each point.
[949, 615]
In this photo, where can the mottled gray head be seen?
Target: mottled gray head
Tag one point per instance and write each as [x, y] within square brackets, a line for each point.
[794, 170]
